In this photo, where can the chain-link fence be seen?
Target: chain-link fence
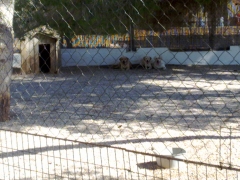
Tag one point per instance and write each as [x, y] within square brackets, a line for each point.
[120, 89]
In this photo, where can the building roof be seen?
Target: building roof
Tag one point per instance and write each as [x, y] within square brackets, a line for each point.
[44, 30]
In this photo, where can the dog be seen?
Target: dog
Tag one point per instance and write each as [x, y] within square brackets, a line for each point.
[124, 63]
[158, 63]
[146, 62]
[111, 45]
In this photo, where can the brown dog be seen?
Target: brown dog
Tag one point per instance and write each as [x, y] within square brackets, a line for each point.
[146, 62]
[158, 63]
[125, 63]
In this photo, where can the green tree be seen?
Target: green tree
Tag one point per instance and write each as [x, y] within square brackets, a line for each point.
[180, 13]
[73, 17]
[82, 17]
[215, 10]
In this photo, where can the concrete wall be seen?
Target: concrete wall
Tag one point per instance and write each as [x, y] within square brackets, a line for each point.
[109, 56]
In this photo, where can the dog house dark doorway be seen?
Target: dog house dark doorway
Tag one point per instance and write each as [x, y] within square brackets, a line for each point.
[44, 58]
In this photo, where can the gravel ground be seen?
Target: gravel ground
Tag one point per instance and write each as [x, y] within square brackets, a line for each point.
[194, 108]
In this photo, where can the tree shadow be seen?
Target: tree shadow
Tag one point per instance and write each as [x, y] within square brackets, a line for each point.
[113, 97]
[152, 165]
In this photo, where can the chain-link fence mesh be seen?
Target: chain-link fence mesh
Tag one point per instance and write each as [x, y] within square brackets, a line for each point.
[120, 90]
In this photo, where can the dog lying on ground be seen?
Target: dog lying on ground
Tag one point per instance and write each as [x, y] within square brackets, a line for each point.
[124, 63]
[158, 63]
[146, 62]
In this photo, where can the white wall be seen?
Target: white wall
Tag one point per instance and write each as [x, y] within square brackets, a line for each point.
[108, 56]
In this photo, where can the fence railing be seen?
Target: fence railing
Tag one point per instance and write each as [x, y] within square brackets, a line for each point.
[175, 37]
[44, 157]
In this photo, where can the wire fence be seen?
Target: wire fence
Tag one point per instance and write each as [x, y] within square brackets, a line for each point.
[103, 90]
[42, 157]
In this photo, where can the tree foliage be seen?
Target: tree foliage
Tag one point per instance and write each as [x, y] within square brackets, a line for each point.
[81, 17]
[71, 17]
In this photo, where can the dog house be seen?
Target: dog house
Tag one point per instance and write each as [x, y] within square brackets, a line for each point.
[39, 51]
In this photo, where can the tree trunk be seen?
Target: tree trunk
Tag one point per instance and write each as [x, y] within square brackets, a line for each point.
[6, 56]
[225, 12]
[212, 23]
[132, 35]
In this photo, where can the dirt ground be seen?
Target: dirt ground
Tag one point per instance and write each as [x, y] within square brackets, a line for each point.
[193, 108]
